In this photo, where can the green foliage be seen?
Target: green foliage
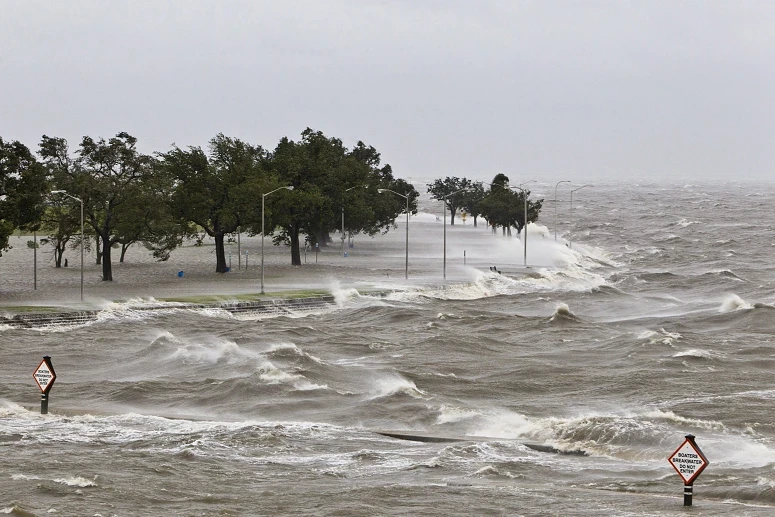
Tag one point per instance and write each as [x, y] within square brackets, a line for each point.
[128, 197]
[22, 190]
[503, 207]
[452, 191]
[116, 184]
[217, 192]
[328, 178]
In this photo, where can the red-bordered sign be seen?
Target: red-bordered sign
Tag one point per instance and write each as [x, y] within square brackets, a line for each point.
[44, 375]
[688, 460]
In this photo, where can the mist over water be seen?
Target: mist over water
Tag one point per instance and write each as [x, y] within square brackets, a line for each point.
[657, 322]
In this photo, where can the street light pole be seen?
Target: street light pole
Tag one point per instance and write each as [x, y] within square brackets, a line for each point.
[524, 198]
[444, 199]
[406, 266]
[263, 204]
[64, 193]
[347, 190]
[342, 230]
[555, 207]
[570, 239]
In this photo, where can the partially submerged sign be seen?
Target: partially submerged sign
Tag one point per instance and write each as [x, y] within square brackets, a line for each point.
[688, 460]
[44, 375]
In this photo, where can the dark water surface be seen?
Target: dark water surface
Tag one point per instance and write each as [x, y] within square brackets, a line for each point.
[658, 323]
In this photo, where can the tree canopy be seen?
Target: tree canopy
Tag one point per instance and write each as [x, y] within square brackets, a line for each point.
[22, 190]
[503, 207]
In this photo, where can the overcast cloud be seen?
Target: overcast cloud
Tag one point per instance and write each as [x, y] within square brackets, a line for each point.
[542, 90]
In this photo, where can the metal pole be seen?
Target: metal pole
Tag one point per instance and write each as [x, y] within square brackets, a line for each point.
[239, 249]
[343, 230]
[555, 207]
[81, 249]
[406, 267]
[263, 204]
[688, 495]
[444, 201]
[524, 196]
[570, 239]
[445, 237]
[263, 199]
[34, 260]
[570, 235]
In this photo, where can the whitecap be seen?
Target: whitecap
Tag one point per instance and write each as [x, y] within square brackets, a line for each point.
[76, 481]
[734, 303]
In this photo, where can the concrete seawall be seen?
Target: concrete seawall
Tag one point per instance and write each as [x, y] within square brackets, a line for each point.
[278, 306]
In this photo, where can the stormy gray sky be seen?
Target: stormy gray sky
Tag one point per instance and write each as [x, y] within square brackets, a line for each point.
[545, 90]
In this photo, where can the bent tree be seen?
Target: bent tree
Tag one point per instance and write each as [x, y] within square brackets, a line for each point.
[105, 175]
[325, 176]
[219, 191]
[22, 189]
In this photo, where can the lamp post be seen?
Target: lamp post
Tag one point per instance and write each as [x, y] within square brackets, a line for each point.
[445, 226]
[570, 240]
[64, 193]
[347, 190]
[555, 207]
[406, 266]
[263, 203]
[524, 199]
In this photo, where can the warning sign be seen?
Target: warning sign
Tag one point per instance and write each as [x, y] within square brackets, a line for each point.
[688, 460]
[44, 375]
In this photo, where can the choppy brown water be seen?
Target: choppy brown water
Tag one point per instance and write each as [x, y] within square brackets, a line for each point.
[658, 323]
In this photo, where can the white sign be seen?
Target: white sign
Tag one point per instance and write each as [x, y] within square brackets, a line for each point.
[689, 461]
[44, 376]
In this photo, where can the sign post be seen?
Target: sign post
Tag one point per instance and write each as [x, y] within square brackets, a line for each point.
[689, 462]
[44, 376]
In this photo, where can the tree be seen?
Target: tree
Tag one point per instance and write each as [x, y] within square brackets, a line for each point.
[108, 177]
[450, 191]
[326, 177]
[505, 208]
[471, 199]
[62, 220]
[23, 189]
[219, 192]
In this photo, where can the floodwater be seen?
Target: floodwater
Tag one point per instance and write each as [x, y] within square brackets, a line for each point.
[651, 320]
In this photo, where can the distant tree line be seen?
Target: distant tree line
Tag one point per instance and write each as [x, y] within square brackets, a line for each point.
[501, 206]
[161, 199]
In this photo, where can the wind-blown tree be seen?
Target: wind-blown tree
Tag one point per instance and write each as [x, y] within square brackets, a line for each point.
[326, 177]
[355, 190]
[22, 190]
[471, 199]
[306, 166]
[219, 192]
[62, 223]
[62, 220]
[452, 188]
[505, 208]
[148, 219]
[106, 176]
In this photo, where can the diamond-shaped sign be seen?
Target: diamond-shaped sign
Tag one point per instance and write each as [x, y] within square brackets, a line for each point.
[44, 375]
[688, 460]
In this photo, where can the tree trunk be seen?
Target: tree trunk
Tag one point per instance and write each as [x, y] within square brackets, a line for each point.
[220, 253]
[107, 267]
[124, 247]
[475, 221]
[99, 249]
[295, 251]
[59, 250]
[452, 217]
